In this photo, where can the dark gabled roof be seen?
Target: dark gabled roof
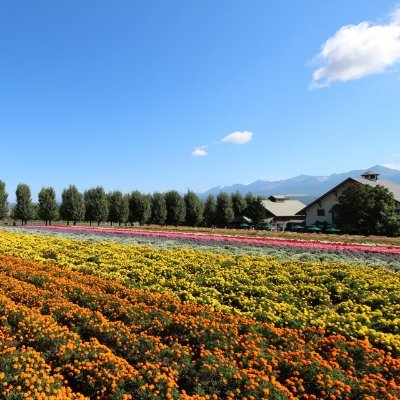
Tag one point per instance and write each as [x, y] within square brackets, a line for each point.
[393, 187]
[240, 218]
[277, 196]
[369, 173]
[302, 211]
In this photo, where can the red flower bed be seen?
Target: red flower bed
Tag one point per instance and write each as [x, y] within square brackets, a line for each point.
[258, 241]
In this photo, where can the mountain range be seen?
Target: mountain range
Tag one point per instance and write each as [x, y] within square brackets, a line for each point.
[305, 188]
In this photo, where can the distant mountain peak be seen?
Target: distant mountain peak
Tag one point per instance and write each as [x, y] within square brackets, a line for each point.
[395, 167]
[304, 187]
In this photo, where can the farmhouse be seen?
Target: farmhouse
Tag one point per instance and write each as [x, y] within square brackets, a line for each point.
[282, 211]
[322, 210]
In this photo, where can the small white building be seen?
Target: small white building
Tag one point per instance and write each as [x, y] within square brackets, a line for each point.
[322, 210]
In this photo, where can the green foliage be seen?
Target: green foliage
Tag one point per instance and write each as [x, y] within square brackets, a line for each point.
[176, 209]
[249, 199]
[118, 207]
[35, 209]
[224, 212]
[47, 207]
[159, 209]
[194, 209]
[139, 207]
[368, 210]
[255, 209]
[392, 227]
[352, 208]
[96, 205]
[210, 208]
[238, 204]
[12, 214]
[72, 206]
[383, 217]
[23, 209]
[3, 200]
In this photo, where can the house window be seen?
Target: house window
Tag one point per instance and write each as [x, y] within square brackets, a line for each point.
[321, 212]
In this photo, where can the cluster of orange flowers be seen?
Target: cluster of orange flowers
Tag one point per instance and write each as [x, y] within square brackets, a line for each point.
[69, 335]
[24, 371]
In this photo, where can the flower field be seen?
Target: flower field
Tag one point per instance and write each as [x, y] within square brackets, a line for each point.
[65, 334]
[354, 300]
[357, 239]
[373, 259]
[260, 241]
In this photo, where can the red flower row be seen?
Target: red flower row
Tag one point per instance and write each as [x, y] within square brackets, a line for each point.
[258, 241]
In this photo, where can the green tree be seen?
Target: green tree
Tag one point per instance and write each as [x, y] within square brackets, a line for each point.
[210, 208]
[255, 209]
[3, 200]
[139, 208]
[24, 208]
[392, 227]
[194, 209]
[148, 201]
[12, 214]
[367, 210]
[158, 209]
[176, 209]
[238, 204]
[382, 216]
[352, 209]
[118, 207]
[96, 205]
[35, 209]
[47, 206]
[224, 212]
[72, 206]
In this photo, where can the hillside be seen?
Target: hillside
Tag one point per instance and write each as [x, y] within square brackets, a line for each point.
[303, 187]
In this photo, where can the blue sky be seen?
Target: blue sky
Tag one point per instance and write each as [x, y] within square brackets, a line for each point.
[144, 94]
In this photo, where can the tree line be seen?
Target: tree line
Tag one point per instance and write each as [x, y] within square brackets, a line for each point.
[362, 209]
[96, 206]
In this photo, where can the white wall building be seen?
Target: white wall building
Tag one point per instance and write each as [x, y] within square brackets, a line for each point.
[322, 210]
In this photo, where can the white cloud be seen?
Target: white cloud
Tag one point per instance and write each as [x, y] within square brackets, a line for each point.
[395, 16]
[356, 51]
[392, 166]
[239, 137]
[200, 151]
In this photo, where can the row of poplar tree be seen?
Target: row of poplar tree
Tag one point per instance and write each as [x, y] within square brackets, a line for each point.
[95, 205]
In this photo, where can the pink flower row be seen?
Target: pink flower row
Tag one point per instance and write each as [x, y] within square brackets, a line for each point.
[332, 246]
